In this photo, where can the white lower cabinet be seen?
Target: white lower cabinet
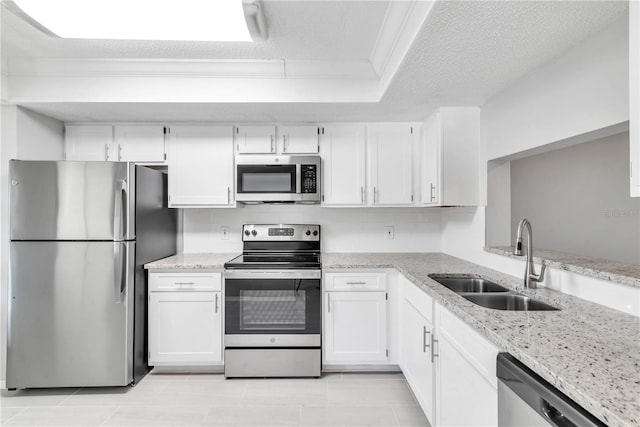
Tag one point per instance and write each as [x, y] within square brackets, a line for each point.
[355, 319]
[449, 366]
[417, 330]
[185, 319]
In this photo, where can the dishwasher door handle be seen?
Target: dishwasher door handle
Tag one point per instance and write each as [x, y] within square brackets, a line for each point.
[555, 416]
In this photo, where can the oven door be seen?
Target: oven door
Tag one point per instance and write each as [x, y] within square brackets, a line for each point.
[256, 182]
[272, 308]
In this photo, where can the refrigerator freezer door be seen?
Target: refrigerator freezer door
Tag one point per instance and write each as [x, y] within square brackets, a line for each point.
[71, 200]
[70, 314]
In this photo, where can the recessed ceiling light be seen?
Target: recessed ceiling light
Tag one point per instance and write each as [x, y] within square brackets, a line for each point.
[193, 20]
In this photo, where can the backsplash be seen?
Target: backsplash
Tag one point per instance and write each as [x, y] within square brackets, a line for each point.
[343, 229]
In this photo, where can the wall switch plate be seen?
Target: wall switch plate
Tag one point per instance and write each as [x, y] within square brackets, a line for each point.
[388, 232]
[224, 232]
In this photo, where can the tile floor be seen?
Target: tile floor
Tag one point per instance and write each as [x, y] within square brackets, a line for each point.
[336, 399]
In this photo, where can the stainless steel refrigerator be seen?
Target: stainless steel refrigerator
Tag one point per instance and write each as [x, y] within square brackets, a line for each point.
[80, 235]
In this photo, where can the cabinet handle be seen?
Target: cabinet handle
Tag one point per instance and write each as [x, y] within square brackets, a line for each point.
[433, 348]
[216, 304]
[185, 283]
[106, 151]
[362, 195]
[425, 346]
[328, 303]
[433, 196]
[228, 195]
[284, 144]
[119, 152]
[356, 283]
[272, 150]
[375, 191]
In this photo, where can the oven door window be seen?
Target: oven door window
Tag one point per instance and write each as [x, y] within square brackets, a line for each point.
[266, 178]
[285, 306]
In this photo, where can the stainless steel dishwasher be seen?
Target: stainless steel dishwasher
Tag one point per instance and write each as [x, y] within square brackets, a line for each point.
[527, 400]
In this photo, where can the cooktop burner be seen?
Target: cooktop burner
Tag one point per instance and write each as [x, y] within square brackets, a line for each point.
[278, 246]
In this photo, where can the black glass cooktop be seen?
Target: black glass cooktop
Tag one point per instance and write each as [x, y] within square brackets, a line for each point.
[275, 261]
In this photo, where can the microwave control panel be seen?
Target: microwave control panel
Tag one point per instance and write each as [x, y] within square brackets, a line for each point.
[309, 178]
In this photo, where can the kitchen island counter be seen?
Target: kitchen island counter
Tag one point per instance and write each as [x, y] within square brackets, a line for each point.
[588, 351]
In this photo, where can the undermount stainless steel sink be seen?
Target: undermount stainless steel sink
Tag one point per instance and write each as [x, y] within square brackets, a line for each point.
[489, 294]
[509, 302]
[464, 284]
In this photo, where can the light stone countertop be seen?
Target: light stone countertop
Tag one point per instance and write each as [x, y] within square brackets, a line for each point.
[619, 272]
[213, 261]
[588, 351]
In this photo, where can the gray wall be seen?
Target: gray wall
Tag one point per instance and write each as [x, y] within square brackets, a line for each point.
[577, 200]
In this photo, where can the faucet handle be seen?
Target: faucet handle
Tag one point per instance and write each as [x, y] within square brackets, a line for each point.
[539, 277]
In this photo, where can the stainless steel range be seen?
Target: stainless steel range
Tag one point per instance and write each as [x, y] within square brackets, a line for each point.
[273, 303]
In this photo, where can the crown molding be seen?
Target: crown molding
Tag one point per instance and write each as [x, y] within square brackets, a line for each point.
[400, 26]
[251, 69]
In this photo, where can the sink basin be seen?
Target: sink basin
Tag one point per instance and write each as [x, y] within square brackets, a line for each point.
[509, 302]
[464, 284]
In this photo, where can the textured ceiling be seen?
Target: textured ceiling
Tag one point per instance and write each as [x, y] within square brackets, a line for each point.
[466, 52]
[297, 30]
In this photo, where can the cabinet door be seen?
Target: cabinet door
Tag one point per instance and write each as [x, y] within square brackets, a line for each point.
[458, 382]
[89, 142]
[432, 139]
[465, 372]
[391, 165]
[355, 327]
[201, 166]
[185, 328]
[255, 139]
[342, 149]
[416, 355]
[298, 139]
[139, 143]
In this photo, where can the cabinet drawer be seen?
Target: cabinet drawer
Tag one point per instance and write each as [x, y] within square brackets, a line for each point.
[355, 281]
[185, 282]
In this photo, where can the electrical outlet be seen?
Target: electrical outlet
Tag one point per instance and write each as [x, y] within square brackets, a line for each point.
[388, 232]
[224, 232]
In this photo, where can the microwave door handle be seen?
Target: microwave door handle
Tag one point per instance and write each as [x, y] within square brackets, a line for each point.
[298, 179]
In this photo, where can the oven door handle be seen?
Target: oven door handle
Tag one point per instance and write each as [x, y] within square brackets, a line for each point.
[272, 274]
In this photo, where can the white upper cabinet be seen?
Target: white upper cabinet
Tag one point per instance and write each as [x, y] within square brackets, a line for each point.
[298, 139]
[450, 157]
[255, 139]
[342, 148]
[89, 142]
[390, 160]
[139, 143]
[201, 166]
[634, 96]
[115, 143]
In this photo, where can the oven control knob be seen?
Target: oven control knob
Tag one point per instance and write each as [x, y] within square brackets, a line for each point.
[315, 232]
[254, 232]
[308, 233]
[246, 232]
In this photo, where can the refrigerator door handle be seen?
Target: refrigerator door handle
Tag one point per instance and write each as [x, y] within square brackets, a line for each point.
[120, 209]
[121, 278]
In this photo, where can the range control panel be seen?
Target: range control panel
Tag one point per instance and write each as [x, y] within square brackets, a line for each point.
[279, 232]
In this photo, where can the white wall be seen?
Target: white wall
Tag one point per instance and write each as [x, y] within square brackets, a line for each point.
[577, 200]
[343, 229]
[579, 92]
[27, 136]
[583, 90]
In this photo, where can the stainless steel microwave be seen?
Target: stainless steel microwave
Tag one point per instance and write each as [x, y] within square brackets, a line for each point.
[278, 179]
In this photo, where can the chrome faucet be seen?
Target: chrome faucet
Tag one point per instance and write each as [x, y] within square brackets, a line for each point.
[531, 279]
